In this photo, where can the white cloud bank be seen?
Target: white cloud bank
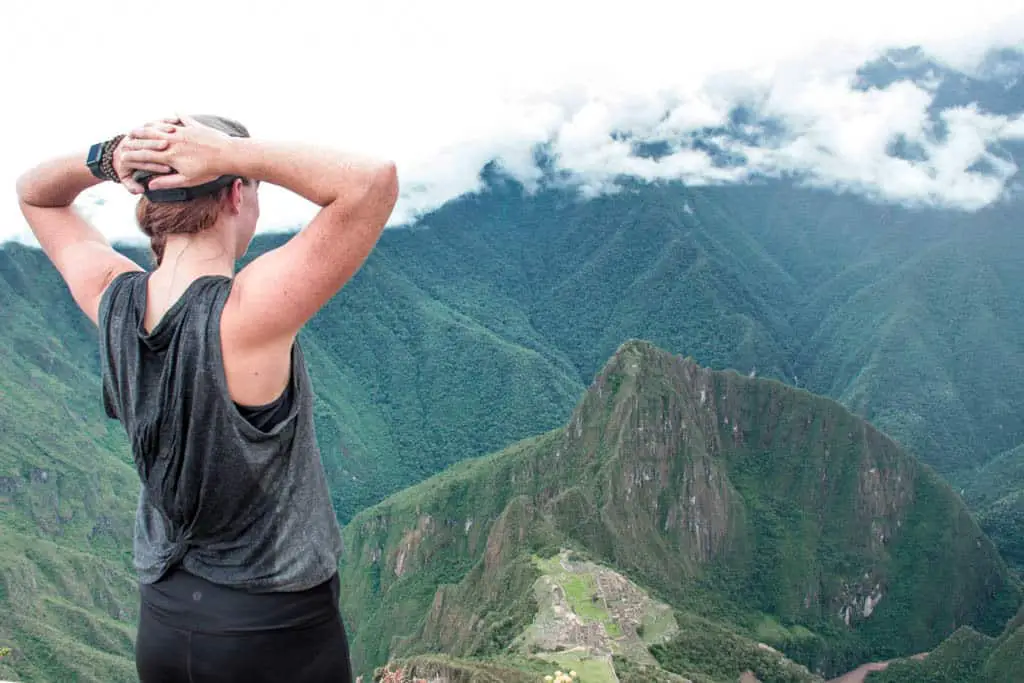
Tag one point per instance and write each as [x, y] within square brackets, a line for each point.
[445, 87]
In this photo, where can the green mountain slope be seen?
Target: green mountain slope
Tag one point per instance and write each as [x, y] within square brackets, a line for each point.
[67, 597]
[67, 483]
[908, 317]
[926, 343]
[478, 327]
[733, 499]
[996, 491]
[965, 657]
[1006, 658]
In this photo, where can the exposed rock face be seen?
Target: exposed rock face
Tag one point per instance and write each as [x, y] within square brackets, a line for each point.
[410, 541]
[662, 477]
[677, 476]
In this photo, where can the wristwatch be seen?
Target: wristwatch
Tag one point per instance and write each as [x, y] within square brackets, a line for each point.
[100, 159]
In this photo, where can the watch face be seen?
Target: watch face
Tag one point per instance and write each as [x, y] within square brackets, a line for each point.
[95, 154]
[93, 160]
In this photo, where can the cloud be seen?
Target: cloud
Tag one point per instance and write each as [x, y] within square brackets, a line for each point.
[445, 88]
[827, 132]
[842, 137]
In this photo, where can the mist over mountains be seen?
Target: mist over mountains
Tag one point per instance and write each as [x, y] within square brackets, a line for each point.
[927, 126]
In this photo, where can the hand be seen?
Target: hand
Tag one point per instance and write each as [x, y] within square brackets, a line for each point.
[125, 170]
[194, 152]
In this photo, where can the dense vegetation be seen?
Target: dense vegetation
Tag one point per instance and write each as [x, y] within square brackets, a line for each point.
[67, 592]
[773, 513]
[966, 657]
[996, 491]
[714, 653]
[477, 328]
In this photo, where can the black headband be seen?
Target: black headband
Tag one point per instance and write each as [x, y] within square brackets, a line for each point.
[184, 194]
[181, 194]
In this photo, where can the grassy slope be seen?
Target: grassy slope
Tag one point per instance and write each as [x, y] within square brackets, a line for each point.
[1006, 659]
[909, 318]
[475, 527]
[66, 494]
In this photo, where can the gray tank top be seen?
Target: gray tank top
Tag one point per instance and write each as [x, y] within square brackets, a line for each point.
[235, 502]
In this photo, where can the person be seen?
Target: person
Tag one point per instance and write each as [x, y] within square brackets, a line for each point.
[236, 541]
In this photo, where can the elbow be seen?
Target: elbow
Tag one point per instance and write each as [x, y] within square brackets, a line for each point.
[21, 188]
[382, 194]
[26, 197]
[28, 191]
[369, 200]
[386, 182]
[383, 188]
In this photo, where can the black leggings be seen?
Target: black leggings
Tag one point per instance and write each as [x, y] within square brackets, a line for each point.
[193, 631]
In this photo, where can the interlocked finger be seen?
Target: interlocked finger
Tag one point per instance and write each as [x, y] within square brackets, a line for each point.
[153, 132]
[132, 142]
[147, 166]
[164, 126]
[135, 157]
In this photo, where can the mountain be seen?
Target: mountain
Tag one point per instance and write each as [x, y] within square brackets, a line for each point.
[907, 316]
[965, 657]
[66, 492]
[996, 491]
[474, 330]
[755, 510]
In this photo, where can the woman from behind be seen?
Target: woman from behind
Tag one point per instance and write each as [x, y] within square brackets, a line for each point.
[236, 540]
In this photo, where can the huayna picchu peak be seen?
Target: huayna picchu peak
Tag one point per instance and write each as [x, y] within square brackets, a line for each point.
[746, 505]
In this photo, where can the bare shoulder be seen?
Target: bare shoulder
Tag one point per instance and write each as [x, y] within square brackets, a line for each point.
[279, 291]
[276, 294]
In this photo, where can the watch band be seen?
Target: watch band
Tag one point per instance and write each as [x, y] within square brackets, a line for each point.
[100, 159]
[107, 164]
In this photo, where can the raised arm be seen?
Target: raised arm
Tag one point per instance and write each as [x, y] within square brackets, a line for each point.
[282, 289]
[78, 250]
[278, 292]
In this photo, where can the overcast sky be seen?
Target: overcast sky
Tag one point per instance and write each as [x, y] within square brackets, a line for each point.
[443, 87]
